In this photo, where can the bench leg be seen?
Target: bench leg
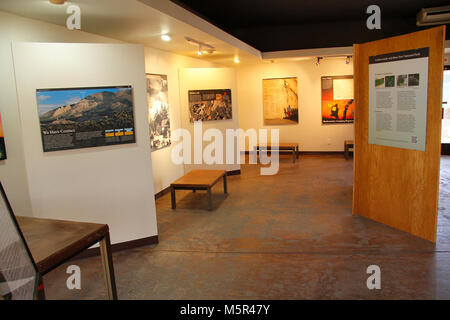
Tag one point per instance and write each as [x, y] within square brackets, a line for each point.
[40, 293]
[172, 196]
[294, 156]
[210, 206]
[296, 152]
[108, 268]
[225, 188]
[255, 154]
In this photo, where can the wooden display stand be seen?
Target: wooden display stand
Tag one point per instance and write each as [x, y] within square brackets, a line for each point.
[394, 186]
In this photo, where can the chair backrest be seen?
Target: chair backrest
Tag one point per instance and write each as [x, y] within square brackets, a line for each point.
[18, 271]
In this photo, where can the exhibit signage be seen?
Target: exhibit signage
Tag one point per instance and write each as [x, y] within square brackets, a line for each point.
[206, 105]
[158, 111]
[337, 99]
[85, 117]
[398, 85]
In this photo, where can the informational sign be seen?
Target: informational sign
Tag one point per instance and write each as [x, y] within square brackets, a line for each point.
[398, 85]
[206, 105]
[337, 99]
[75, 118]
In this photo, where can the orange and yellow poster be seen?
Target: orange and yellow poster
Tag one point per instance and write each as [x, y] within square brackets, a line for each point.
[2, 141]
[337, 99]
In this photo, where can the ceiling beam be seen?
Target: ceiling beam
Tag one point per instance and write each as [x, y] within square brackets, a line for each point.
[175, 11]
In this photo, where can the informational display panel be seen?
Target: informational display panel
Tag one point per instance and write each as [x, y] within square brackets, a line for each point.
[158, 111]
[207, 105]
[398, 84]
[337, 99]
[85, 117]
[2, 141]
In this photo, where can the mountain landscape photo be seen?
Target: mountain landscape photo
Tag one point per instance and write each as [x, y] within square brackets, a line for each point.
[93, 116]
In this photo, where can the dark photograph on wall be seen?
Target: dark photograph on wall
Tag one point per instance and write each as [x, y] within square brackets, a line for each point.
[207, 105]
[85, 117]
[158, 111]
[280, 101]
[2, 141]
[337, 99]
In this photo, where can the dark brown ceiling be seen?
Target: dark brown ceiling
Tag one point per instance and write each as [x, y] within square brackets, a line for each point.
[272, 25]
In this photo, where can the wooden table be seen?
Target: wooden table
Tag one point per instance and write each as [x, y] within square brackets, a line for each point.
[285, 146]
[348, 144]
[199, 180]
[54, 242]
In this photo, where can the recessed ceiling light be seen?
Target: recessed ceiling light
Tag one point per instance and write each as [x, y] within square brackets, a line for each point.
[166, 37]
[236, 60]
[57, 1]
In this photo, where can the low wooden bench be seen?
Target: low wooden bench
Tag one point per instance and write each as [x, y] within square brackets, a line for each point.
[199, 180]
[285, 146]
[348, 144]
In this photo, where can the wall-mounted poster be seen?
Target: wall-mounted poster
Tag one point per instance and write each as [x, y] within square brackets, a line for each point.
[2, 141]
[280, 101]
[85, 117]
[398, 87]
[337, 99]
[158, 111]
[206, 105]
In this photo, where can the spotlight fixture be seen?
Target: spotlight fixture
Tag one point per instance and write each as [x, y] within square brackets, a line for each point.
[318, 60]
[203, 48]
[347, 60]
[57, 1]
[166, 37]
[236, 60]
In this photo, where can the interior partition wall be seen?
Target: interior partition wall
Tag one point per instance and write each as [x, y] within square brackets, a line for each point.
[396, 186]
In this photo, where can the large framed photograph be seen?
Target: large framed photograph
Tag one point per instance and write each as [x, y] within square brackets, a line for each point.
[85, 117]
[337, 99]
[207, 105]
[2, 141]
[158, 111]
[280, 101]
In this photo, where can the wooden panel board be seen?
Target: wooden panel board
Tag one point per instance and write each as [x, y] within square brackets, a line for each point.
[394, 186]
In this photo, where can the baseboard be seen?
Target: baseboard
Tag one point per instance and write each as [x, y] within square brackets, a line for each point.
[162, 192]
[234, 172]
[321, 152]
[93, 252]
[304, 152]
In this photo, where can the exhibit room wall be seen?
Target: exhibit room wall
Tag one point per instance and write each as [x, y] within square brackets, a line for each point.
[309, 132]
[16, 28]
[161, 62]
[204, 79]
[108, 184]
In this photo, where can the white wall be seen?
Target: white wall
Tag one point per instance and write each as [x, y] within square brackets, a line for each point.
[110, 184]
[161, 62]
[309, 132]
[203, 79]
[15, 28]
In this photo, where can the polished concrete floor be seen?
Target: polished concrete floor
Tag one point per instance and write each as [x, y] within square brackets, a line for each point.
[288, 236]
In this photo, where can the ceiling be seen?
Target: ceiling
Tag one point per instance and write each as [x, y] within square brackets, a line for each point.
[276, 25]
[136, 22]
[254, 31]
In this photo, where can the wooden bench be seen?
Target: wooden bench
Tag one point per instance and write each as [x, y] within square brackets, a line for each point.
[285, 146]
[348, 144]
[199, 180]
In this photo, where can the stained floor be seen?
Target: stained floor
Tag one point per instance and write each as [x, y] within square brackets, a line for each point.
[288, 236]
